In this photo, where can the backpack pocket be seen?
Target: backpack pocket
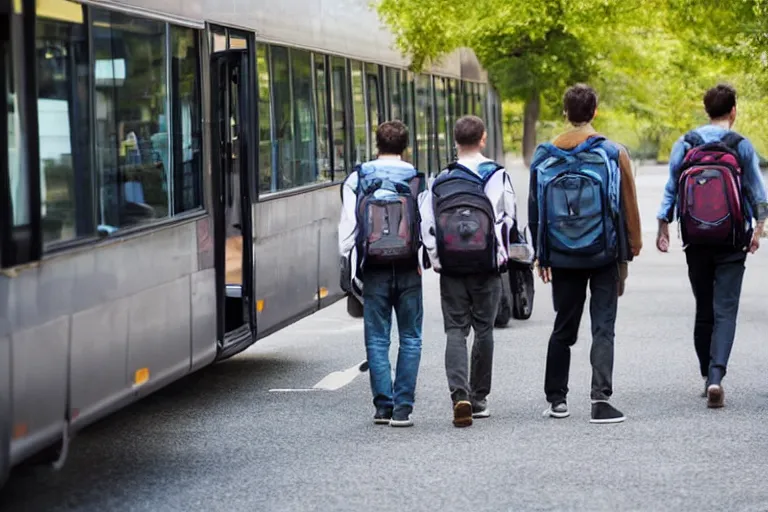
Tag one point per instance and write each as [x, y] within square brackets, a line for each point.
[709, 205]
[575, 214]
[389, 229]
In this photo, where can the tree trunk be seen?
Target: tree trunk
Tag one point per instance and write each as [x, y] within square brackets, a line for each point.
[530, 118]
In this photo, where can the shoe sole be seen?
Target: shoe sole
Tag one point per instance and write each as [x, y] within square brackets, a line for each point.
[558, 415]
[482, 414]
[381, 422]
[715, 397]
[401, 423]
[608, 421]
[462, 414]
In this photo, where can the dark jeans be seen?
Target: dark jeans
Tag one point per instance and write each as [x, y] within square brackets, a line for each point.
[383, 291]
[469, 301]
[716, 278]
[569, 293]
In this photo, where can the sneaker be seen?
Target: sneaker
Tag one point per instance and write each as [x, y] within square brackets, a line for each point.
[383, 416]
[480, 410]
[462, 414]
[557, 410]
[603, 412]
[715, 396]
[401, 418]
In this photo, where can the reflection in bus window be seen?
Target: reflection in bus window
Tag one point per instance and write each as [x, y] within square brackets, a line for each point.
[63, 115]
[281, 91]
[396, 94]
[18, 180]
[305, 167]
[132, 142]
[339, 97]
[323, 133]
[265, 119]
[187, 165]
[360, 149]
[374, 107]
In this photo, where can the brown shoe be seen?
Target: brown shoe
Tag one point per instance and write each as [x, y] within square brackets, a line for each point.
[715, 396]
[462, 414]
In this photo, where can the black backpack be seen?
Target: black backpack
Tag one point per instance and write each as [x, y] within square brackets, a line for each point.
[465, 220]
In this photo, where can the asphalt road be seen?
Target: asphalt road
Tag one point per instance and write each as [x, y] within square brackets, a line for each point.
[220, 440]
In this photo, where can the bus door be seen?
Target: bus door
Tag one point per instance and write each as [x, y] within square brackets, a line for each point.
[233, 159]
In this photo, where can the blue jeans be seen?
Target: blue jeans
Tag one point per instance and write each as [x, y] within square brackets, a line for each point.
[384, 290]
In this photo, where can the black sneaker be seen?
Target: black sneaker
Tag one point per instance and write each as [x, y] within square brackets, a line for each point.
[383, 415]
[480, 409]
[557, 410]
[401, 418]
[603, 412]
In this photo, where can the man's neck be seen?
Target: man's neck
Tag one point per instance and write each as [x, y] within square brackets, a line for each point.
[725, 124]
[468, 152]
[389, 157]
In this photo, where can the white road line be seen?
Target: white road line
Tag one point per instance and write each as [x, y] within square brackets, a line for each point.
[331, 382]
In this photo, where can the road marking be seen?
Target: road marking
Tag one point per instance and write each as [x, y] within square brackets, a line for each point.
[331, 382]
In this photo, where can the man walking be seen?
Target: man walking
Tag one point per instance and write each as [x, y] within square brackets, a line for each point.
[586, 225]
[466, 223]
[715, 182]
[379, 235]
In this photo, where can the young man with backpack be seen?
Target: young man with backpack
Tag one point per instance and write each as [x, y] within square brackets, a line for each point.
[466, 224]
[716, 187]
[585, 223]
[379, 235]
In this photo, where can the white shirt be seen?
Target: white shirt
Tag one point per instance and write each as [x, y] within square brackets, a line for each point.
[502, 197]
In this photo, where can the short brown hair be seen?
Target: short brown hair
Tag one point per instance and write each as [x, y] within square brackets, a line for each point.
[719, 101]
[469, 131]
[580, 103]
[392, 138]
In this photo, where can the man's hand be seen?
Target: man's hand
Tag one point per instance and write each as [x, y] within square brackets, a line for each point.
[755, 245]
[662, 239]
[544, 273]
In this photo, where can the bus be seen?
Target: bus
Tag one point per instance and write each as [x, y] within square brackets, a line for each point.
[169, 185]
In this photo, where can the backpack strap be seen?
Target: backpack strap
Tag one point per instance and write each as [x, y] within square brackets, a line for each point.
[456, 166]
[732, 140]
[693, 139]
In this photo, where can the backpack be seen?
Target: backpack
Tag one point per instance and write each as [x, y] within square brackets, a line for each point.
[387, 213]
[578, 193]
[465, 220]
[710, 198]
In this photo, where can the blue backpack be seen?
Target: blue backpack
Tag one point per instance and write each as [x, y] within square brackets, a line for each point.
[465, 220]
[578, 193]
[387, 212]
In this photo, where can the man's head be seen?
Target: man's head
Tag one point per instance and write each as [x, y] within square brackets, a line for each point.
[392, 138]
[580, 104]
[469, 133]
[720, 103]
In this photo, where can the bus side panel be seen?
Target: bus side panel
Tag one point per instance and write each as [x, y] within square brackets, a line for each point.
[329, 247]
[5, 408]
[98, 358]
[39, 358]
[286, 255]
[203, 318]
[159, 333]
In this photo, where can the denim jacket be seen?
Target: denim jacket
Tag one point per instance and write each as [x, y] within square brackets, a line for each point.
[752, 179]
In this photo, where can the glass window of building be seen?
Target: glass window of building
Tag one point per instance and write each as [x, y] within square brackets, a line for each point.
[63, 79]
[360, 134]
[324, 141]
[186, 120]
[340, 119]
[443, 153]
[395, 94]
[131, 101]
[453, 114]
[265, 119]
[283, 172]
[374, 104]
[305, 159]
[423, 112]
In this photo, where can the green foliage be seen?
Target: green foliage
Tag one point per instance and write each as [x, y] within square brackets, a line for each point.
[650, 60]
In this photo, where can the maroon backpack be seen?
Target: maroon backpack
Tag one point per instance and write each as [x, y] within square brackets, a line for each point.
[711, 206]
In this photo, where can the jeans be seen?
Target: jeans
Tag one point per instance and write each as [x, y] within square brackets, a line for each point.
[716, 277]
[569, 293]
[469, 301]
[383, 291]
